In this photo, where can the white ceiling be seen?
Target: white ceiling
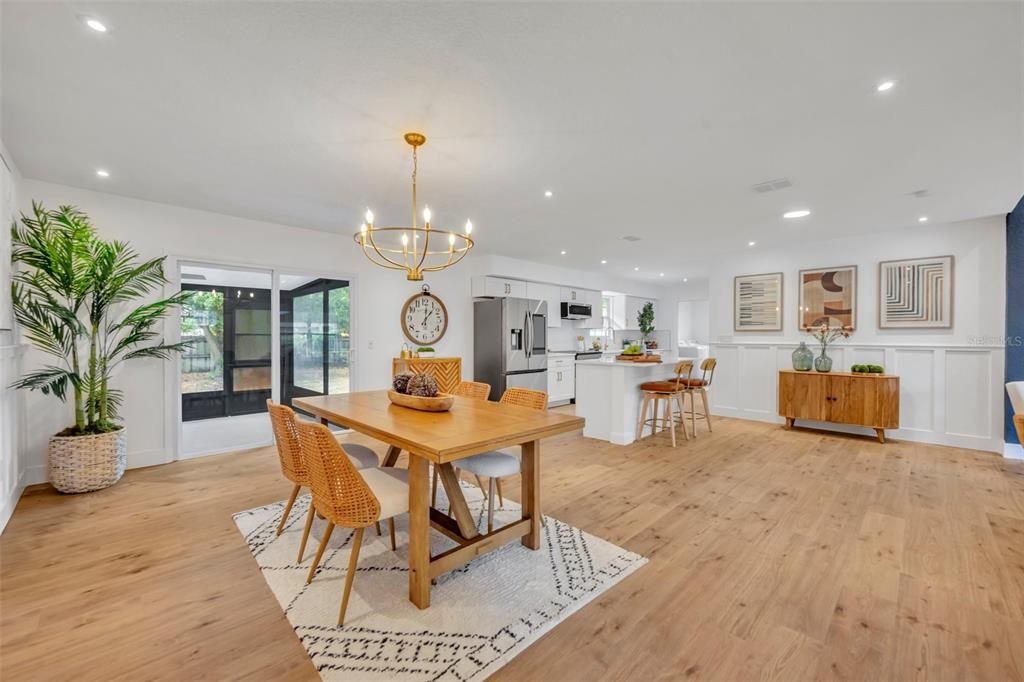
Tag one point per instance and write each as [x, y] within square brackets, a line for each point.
[644, 119]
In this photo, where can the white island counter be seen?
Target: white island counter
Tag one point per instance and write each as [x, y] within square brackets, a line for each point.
[608, 395]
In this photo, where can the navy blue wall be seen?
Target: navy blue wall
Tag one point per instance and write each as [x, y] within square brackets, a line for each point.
[1014, 305]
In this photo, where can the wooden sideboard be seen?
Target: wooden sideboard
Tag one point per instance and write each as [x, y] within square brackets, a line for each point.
[447, 371]
[871, 400]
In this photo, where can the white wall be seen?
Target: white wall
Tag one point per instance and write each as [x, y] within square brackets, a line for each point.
[950, 379]
[183, 234]
[13, 459]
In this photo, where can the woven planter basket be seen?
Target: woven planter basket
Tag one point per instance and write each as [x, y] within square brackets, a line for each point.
[80, 464]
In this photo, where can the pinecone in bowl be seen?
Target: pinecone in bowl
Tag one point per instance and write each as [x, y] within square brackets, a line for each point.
[401, 382]
[422, 385]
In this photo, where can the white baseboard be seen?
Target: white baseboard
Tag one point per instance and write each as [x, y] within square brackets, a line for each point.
[11, 502]
[36, 474]
[221, 451]
[1013, 451]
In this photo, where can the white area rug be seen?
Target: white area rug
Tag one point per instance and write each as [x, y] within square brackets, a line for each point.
[481, 615]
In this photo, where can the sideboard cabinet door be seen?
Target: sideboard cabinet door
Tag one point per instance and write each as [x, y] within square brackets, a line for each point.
[805, 396]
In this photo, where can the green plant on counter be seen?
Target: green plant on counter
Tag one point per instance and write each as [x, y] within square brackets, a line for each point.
[645, 320]
[632, 349]
[867, 369]
[425, 349]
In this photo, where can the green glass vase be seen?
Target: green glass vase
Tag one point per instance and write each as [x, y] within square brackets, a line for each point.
[803, 358]
[823, 363]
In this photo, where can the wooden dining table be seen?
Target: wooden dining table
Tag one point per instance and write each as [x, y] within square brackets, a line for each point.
[442, 439]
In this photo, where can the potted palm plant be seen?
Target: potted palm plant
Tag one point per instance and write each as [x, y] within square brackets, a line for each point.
[76, 299]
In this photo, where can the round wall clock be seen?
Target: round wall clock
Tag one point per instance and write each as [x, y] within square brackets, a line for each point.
[424, 318]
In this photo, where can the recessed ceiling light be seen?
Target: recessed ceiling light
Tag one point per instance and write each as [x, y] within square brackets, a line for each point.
[95, 24]
[563, 252]
[801, 213]
[549, 194]
[603, 261]
[661, 274]
[923, 219]
[636, 269]
[751, 243]
[885, 86]
[686, 279]
[102, 173]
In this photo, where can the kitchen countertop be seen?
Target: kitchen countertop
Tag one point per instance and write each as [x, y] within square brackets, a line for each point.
[612, 362]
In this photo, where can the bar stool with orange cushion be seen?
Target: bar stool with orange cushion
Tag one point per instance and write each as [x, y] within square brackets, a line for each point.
[286, 435]
[668, 391]
[476, 390]
[349, 497]
[496, 464]
[695, 386]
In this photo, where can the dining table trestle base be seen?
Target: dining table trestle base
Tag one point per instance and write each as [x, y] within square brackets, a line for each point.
[442, 440]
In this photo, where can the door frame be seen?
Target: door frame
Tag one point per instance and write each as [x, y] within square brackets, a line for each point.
[172, 333]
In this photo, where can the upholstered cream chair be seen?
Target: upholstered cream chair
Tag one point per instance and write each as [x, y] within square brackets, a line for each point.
[476, 390]
[349, 497]
[286, 435]
[496, 464]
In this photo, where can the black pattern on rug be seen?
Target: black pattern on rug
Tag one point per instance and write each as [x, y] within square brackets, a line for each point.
[481, 614]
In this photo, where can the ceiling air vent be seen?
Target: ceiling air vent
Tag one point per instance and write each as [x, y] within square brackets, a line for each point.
[631, 238]
[188, 275]
[920, 193]
[772, 185]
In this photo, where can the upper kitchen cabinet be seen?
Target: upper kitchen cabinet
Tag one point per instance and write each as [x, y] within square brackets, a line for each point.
[550, 293]
[498, 287]
[573, 295]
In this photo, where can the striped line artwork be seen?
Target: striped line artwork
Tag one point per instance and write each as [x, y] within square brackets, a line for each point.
[916, 293]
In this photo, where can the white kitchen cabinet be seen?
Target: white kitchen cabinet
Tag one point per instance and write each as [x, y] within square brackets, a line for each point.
[593, 299]
[550, 293]
[573, 295]
[561, 379]
[498, 287]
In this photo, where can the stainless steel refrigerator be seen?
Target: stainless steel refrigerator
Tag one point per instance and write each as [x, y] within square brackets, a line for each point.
[510, 344]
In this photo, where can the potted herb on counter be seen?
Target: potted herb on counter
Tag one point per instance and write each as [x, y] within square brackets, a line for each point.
[645, 322]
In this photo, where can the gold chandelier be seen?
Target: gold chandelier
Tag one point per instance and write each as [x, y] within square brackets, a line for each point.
[408, 248]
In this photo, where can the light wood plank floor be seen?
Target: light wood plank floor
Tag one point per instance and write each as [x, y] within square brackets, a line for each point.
[775, 555]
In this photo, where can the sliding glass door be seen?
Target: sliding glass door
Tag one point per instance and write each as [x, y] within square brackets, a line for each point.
[315, 337]
[227, 370]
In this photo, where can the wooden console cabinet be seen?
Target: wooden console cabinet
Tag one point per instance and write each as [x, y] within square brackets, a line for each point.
[871, 400]
[447, 371]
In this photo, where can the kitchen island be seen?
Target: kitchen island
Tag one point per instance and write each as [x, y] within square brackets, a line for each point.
[608, 395]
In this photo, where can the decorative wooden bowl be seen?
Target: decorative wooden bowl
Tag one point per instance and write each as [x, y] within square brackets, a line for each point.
[442, 403]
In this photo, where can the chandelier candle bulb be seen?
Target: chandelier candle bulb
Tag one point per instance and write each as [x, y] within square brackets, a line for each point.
[369, 218]
[426, 215]
[469, 227]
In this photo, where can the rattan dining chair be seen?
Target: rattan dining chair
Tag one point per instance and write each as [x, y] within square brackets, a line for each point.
[476, 390]
[495, 464]
[286, 435]
[349, 497]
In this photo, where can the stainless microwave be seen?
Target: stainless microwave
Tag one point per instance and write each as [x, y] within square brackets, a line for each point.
[575, 311]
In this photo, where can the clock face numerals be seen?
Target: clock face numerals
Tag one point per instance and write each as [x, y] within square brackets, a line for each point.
[424, 319]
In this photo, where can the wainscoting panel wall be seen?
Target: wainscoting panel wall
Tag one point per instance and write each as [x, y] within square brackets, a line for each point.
[949, 395]
[12, 465]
